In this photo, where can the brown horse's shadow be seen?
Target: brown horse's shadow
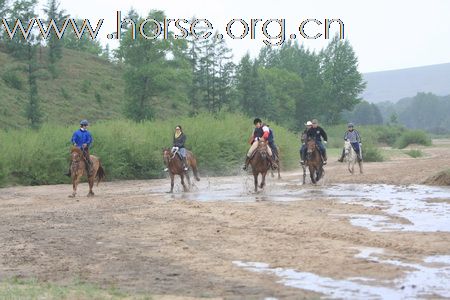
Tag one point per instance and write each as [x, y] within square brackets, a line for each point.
[260, 164]
[78, 170]
[173, 162]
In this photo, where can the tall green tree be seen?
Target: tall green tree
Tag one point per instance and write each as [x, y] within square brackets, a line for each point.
[155, 69]
[342, 82]
[16, 43]
[251, 89]
[54, 44]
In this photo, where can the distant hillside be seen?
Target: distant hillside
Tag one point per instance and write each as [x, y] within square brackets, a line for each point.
[397, 84]
[87, 86]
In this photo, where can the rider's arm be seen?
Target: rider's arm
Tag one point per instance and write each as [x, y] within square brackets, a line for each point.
[74, 138]
[90, 140]
[324, 134]
[358, 137]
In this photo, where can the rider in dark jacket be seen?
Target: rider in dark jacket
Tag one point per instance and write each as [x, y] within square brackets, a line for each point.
[317, 133]
[179, 139]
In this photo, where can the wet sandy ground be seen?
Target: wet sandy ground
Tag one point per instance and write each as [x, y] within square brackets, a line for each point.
[134, 236]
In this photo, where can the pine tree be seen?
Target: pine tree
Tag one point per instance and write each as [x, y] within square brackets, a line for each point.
[54, 44]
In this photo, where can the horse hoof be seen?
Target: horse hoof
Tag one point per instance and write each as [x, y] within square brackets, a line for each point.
[90, 195]
[72, 196]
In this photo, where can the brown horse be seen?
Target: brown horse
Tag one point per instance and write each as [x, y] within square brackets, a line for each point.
[78, 169]
[175, 165]
[314, 162]
[260, 164]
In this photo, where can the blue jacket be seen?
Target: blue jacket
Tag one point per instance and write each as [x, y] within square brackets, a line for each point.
[82, 137]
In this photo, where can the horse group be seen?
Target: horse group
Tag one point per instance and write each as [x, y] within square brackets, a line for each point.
[259, 162]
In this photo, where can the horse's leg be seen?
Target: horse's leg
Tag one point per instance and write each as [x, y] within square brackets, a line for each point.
[91, 184]
[172, 182]
[360, 167]
[311, 174]
[255, 176]
[183, 183]
[263, 180]
[75, 179]
[304, 174]
[279, 167]
[188, 180]
[348, 166]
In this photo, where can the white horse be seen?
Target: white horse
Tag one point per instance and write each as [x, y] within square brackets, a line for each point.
[351, 158]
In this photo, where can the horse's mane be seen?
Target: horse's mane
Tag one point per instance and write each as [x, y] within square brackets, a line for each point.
[76, 149]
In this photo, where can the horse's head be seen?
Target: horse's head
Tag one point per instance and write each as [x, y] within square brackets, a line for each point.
[311, 145]
[167, 154]
[76, 154]
[347, 147]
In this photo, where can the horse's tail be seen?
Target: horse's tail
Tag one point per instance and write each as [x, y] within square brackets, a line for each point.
[100, 173]
[193, 164]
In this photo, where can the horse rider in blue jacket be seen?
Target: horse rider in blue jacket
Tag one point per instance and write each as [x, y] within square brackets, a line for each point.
[352, 135]
[82, 139]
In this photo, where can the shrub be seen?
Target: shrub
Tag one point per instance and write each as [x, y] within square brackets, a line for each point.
[372, 154]
[130, 150]
[414, 153]
[413, 137]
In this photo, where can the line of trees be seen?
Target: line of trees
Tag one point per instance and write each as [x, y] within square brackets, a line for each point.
[288, 84]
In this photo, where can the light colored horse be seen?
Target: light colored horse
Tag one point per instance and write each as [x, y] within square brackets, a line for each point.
[351, 158]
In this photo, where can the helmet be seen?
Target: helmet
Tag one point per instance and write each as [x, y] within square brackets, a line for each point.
[84, 123]
[256, 121]
[350, 125]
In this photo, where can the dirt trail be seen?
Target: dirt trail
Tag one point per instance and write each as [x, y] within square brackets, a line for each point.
[134, 236]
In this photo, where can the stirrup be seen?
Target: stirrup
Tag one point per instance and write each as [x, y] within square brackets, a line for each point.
[324, 162]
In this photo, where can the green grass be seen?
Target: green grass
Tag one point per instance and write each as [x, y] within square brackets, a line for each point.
[31, 289]
[414, 153]
[130, 150]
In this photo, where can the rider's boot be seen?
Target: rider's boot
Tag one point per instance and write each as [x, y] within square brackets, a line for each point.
[358, 156]
[185, 168]
[324, 156]
[89, 167]
[272, 163]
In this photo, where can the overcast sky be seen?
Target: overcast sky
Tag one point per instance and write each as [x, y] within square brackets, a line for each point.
[385, 34]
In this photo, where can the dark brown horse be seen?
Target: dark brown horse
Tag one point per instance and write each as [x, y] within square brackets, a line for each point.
[175, 165]
[314, 162]
[260, 164]
[78, 169]
[277, 161]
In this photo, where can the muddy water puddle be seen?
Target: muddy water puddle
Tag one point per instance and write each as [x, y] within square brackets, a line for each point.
[427, 279]
[403, 208]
